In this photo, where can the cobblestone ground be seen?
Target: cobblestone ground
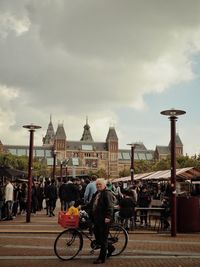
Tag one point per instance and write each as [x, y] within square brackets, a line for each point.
[31, 244]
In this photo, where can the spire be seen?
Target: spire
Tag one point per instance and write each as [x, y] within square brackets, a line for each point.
[49, 137]
[86, 136]
[178, 140]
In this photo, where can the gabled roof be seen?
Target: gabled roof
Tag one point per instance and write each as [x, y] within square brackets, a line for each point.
[163, 150]
[60, 133]
[111, 134]
[177, 141]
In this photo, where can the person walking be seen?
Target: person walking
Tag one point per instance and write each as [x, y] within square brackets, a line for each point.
[52, 196]
[90, 190]
[9, 190]
[102, 215]
[144, 200]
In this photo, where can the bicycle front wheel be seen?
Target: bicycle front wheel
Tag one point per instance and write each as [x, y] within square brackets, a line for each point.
[118, 237]
[68, 244]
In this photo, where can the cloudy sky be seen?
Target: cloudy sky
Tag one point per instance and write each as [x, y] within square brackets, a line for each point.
[119, 62]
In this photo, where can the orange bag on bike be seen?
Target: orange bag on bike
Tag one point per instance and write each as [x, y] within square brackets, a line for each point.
[68, 221]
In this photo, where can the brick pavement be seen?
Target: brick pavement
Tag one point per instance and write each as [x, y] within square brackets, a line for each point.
[31, 244]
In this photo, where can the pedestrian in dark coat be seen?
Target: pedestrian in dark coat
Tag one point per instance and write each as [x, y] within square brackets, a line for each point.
[102, 214]
[69, 194]
[144, 200]
[52, 196]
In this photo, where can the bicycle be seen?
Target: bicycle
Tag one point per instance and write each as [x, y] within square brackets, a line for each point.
[69, 242]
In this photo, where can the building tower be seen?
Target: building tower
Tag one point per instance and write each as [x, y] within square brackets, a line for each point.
[179, 145]
[112, 146]
[48, 140]
[60, 142]
[86, 136]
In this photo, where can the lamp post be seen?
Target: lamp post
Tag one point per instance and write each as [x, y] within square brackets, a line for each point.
[31, 129]
[54, 163]
[133, 145]
[173, 116]
[61, 171]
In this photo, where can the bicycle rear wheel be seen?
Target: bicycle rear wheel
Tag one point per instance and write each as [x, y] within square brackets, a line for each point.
[118, 237]
[68, 244]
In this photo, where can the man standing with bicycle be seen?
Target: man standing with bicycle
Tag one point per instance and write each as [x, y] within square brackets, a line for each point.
[102, 215]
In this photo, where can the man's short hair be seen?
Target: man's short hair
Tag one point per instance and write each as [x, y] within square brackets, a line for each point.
[94, 177]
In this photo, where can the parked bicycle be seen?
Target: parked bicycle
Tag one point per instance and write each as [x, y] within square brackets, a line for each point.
[69, 243]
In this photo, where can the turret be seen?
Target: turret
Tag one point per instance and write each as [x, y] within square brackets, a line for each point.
[112, 146]
[86, 136]
[49, 137]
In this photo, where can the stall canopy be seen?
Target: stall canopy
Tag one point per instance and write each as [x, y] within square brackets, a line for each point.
[182, 174]
[11, 173]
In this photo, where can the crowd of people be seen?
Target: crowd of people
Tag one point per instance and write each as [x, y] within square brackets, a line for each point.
[104, 202]
[14, 196]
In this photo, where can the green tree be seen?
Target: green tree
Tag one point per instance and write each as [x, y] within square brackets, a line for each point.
[21, 163]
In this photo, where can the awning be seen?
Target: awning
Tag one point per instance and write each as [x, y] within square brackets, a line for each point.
[11, 173]
[182, 174]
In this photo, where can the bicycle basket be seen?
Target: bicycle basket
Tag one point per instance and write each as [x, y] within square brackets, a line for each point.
[68, 221]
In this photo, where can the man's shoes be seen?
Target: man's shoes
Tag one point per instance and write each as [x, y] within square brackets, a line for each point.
[98, 261]
[110, 251]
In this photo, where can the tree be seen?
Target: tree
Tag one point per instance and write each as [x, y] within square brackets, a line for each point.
[21, 163]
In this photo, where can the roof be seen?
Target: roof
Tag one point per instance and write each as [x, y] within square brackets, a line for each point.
[60, 133]
[184, 173]
[86, 136]
[111, 134]
[86, 145]
[177, 140]
[49, 134]
[163, 150]
[8, 172]
[125, 154]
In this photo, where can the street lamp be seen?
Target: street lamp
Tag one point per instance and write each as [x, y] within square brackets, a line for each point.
[173, 116]
[133, 145]
[61, 169]
[54, 163]
[31, 129]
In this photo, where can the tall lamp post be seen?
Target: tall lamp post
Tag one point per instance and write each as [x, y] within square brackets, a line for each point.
[173, 116]
[133, 145]
[31, 129]
[61, 170]
[54, 163]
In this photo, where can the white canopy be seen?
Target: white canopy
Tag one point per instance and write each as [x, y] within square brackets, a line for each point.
[184, 174]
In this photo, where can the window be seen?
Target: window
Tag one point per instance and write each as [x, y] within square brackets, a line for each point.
[12, 151]
[136, 156]
[39, 153]
[21, 152]
[120, 155]
[149, 156]
[126, 155]
[142, 156]
[87, 147]
[75, 161]
[48, 153]
[50, 161]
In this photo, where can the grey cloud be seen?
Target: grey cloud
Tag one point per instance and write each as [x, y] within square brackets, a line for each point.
[88, 56]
